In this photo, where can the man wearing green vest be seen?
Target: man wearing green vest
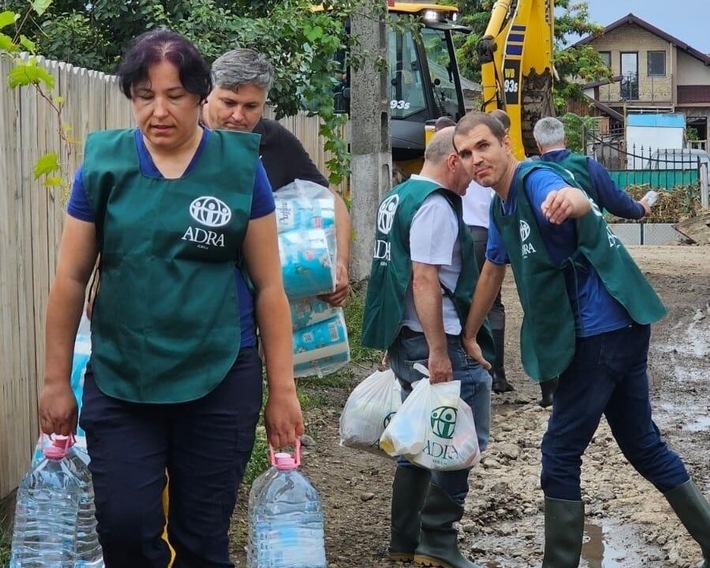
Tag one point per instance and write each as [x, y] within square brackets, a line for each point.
[587, 315]
[419, 293]
[589, 174]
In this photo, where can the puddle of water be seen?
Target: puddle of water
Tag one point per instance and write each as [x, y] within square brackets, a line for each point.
[699, 423]
[599, 552]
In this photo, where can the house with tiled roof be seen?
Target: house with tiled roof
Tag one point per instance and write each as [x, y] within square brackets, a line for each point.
[653, 72]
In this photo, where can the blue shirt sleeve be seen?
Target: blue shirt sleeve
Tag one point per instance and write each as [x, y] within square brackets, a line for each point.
[611, 198]
[78, 206]
[263, 200]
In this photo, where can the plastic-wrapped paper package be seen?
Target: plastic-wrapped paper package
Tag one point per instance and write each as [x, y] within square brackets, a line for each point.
[308, 311]
[303, 205]
[299, 214]
[322, 348]
[308, 262]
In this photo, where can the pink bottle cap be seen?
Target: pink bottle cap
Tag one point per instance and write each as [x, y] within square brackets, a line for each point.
[283, 460]
[59, 447]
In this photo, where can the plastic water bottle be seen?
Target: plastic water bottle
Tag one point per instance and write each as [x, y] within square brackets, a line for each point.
[285, 518]
[88, 549]
[46, 513]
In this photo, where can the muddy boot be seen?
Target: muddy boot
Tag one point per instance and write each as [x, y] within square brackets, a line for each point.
[547, 390]
[500, 383]
[438, 542]
[409, 490]
[693, 511]
[564, 530]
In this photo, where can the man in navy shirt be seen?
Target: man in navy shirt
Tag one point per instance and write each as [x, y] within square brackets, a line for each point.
[549, 134]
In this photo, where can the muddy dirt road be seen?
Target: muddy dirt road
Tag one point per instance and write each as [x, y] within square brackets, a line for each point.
[629, 524]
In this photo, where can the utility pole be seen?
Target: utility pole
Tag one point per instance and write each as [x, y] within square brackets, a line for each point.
[369, 133]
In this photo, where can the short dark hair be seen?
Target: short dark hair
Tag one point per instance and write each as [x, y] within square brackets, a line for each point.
[443, 122]
[501, 115]
[475, 118]
[154, 46]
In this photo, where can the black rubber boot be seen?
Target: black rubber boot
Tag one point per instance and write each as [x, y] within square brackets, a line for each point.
[547, 389]
[438, 542]
[693, 511]
[500, 383]
[409, 490]
[564, 531]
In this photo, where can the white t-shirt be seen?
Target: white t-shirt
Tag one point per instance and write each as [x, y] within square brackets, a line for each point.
[476, 205]
[433, 239]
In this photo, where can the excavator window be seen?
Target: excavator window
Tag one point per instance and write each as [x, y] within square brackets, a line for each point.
[407, 95]
[441, 68]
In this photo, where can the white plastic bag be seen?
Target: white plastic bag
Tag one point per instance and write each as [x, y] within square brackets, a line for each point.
[368, 411]
[434, 428]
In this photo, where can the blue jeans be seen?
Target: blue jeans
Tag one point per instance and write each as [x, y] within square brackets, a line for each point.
[204, 444]
[607, 376]
[410, 348]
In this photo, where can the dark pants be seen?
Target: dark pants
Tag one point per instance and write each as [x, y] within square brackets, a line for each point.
[496, 316]
[204, 445]
[410, 348]
[607, 376]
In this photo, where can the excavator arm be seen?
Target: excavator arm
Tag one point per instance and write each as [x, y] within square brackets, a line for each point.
[516, 66]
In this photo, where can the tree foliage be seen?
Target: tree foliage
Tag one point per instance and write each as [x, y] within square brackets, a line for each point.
[574, 65]
[303, 44]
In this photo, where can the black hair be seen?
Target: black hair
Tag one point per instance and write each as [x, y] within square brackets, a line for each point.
[154, 46]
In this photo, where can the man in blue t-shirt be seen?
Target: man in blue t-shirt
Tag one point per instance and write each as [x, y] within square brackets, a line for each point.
[607, 370]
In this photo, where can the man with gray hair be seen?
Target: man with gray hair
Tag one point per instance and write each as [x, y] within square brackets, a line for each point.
[420, 290]
[242, 80]
[591, 176]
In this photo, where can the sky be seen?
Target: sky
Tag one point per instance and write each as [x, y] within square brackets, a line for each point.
[687, 20]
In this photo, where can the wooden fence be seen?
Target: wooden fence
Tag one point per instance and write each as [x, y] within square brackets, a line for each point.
[30, 226]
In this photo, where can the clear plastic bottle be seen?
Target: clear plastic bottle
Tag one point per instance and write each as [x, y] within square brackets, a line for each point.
[285, 519]
[46, 514]
[88, 549]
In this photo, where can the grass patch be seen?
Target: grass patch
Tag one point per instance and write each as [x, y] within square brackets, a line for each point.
[5, 539]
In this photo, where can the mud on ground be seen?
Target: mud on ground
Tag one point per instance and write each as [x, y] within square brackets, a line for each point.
[629, 524]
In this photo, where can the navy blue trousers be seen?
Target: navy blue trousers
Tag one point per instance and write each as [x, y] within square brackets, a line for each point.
[606, 377]
[204, 445]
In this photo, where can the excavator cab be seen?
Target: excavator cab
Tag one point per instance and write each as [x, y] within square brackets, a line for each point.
[424, 78]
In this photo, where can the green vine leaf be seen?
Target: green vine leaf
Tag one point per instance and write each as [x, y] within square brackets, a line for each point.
[30, 73]
[46, 165]
[28, 44]
[6, 44]
[8, 18]
[41, 6]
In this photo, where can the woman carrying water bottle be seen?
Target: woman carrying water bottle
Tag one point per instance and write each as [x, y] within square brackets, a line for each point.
[174, 382]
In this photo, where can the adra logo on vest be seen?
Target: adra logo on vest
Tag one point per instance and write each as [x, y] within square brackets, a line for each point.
[210, 212]
[385, 220]
[528, 248]
[611, 237]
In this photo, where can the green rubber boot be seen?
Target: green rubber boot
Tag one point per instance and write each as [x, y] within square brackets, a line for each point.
[409, 490]
[693, 511]
[564, 530]
[438, 542]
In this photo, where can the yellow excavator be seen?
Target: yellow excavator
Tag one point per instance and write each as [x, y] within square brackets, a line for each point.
[516, 66]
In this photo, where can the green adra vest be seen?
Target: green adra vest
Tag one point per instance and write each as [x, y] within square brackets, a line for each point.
[577, 165]
[166, 319]
[391, 269]
[547, 336]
